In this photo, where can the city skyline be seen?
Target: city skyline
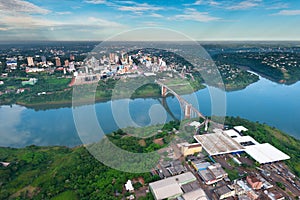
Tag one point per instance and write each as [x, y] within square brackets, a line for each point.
[211, 20]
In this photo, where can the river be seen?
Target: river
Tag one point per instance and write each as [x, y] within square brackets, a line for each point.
[264, 101]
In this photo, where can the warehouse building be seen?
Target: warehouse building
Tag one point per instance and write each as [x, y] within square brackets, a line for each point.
[170, 188]
[231, 141]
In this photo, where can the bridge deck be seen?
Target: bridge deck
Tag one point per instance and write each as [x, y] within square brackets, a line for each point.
[181, 100]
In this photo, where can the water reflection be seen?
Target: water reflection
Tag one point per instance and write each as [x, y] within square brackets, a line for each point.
[264, 101]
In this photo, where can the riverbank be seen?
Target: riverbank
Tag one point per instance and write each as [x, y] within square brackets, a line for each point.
[61, 172]
[106, 91]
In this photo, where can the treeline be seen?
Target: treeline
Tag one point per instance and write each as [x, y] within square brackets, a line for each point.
[61, 173]
[73, 173]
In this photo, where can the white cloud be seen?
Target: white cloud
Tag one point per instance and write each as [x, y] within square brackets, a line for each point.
[25, 21]
[199, 2]
[21, 6]
[96, 1]
[244, 5]
[103, 23]
[193, 15]
[103, 2]
[277, 6]
[151, 24]
[139, 7]
[9, 134]
[64, 13]
[131, 6]
[35, 23]
[156, 15]
[204, 2]
[288, 12]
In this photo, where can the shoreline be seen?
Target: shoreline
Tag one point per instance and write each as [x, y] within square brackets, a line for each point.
[68, 103]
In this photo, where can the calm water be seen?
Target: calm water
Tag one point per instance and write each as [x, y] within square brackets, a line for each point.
[264, 101]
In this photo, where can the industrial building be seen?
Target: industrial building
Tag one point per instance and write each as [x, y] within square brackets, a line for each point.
[265, 153]
[218, 143]
[173, 187]
[231, 141]
[190, 149]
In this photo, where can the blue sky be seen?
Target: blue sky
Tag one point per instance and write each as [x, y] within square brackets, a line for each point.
[101, 19]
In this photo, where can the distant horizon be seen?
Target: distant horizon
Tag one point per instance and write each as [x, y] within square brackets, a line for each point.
[221, 41]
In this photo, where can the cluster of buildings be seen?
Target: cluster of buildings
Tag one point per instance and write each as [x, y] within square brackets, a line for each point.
[232, 141]
[201, 177]
[121, 65]
[183, 186]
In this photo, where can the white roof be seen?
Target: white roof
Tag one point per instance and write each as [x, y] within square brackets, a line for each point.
[246, 138]
[240, 128]
[166, 191]
[198, 194]
[195, 123]
[218, 143]
[232, 133]
[170, 187]
[129, 186]
[265, 153]
[149, 74]
[5, 164]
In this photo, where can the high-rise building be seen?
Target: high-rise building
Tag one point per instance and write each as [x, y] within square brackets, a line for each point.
[30, 61]
[57, 62]
[72, 57]
[44, 60]
[66, 63]
[71, 66]
[111, 57]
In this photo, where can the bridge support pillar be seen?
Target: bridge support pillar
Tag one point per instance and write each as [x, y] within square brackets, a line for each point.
[163, 91]
[187, 111]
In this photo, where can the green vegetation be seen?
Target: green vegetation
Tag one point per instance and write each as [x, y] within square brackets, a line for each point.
[235, 78]
[232, 174]
[73, 173]
[279, 184]
[60, 173]
[56, 90]
[66, 195]
[266, 134]
[280, 67]
[65, 173]
[51, 89]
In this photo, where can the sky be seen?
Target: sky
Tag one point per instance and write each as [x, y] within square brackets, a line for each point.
[204, 20]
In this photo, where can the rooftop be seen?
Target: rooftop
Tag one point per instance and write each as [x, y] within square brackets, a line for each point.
[222, 190]
[265, 153]
[240, 128]
[206, 175]
[232, 133]
[217, 171]
[218, 143]
[170, 187]
[244, 140]
[198, 194]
